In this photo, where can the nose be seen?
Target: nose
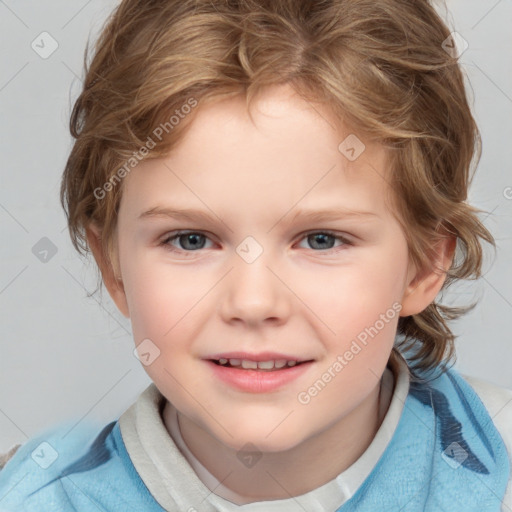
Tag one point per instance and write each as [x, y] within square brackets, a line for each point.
[255, 293]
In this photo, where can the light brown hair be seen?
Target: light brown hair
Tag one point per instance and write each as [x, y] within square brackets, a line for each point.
[378, 65]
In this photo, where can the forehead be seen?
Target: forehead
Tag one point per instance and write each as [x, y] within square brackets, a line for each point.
[290, 153]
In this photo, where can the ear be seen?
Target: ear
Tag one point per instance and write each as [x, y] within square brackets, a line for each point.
[424, 285]
[113, 283]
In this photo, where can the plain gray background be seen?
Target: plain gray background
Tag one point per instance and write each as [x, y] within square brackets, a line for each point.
[65, 355]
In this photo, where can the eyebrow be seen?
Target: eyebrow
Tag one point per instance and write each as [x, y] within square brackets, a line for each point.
[307, 215]
[333, 214]
[182, 214]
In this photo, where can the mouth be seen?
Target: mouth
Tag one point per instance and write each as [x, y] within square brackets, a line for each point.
[265, 376]
[258, 366]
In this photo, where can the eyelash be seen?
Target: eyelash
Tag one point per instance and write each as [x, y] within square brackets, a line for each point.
[165, 243]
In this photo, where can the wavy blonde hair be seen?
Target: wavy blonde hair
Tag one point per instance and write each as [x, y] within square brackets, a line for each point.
[378, 65]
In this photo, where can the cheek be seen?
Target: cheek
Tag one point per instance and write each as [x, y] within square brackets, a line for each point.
[359, 307]
[165, 300]
[162, 310]
[350, 297]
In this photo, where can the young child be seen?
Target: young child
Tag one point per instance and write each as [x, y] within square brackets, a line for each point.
[289, 374]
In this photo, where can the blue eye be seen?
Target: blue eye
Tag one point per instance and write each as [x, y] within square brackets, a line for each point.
[191, 241]
[320, 239]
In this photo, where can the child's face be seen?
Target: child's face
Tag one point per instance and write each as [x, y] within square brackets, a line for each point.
[307, 297]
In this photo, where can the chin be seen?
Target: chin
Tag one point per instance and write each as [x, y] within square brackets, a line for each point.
[261, 440]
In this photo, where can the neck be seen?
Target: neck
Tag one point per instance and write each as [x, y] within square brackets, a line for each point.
[277, 475]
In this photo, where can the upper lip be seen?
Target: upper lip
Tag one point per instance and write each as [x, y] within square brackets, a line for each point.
[261, 356]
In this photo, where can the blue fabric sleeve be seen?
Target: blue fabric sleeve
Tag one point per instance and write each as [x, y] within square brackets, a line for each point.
[74, 468]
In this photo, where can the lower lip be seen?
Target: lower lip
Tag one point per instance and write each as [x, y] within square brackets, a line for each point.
[254, 381]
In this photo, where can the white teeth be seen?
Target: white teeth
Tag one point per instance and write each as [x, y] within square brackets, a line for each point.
[261, 365]
[266, 365]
